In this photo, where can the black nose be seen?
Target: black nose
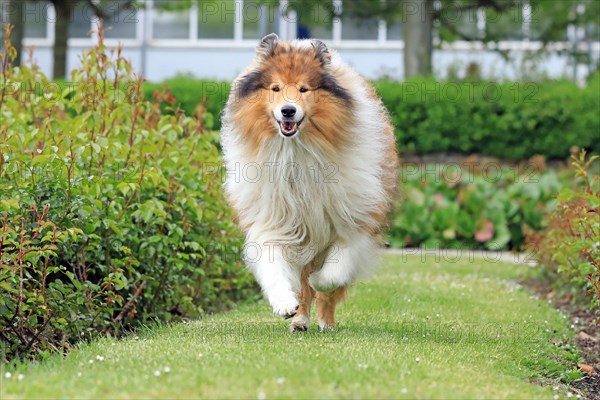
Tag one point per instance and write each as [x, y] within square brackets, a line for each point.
[288, 111]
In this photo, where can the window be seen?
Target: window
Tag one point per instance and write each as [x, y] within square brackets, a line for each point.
[394, 30]
[504, 25]
[314, 21]
[121, 22]
[171, 20]
[81, 21]
[260, 18]
[35, 17]
[465, 22]
[216, 19]
[360, 29]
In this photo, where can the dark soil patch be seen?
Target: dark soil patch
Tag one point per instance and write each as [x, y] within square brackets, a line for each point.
[587, 337]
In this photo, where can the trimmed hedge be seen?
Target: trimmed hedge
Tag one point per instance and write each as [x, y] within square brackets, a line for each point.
[508, 120]
[106, 217]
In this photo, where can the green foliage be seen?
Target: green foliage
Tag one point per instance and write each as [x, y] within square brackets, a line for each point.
[106, 217]
[203, 97]
[453, 206]
[569, 248]
[509, 120]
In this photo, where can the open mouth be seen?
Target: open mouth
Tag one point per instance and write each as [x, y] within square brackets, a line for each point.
[289, 128]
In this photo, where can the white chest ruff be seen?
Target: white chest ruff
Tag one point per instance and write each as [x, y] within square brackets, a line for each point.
[297, 196]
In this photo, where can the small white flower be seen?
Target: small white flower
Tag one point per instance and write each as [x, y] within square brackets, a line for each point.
[79, 374]
[7, 375]
[280, 381]
[555, 397]
[569, 394]
[417, 359]
[156, 373]
[167, 370]
[100, 358]
[200, 355]
[39, 151]
[91, 361]
[20, 377]
[261, 395]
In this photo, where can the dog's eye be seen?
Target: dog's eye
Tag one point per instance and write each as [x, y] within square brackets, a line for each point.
[303, 90]
[275, 88]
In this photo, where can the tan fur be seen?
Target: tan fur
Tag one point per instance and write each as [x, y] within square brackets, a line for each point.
[307, 295]
[326, 303]
[292, 69]
[326, 126]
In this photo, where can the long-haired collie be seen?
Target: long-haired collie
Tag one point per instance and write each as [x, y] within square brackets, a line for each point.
[311, 172]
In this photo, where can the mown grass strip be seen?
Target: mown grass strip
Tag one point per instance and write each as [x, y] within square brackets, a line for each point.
[421, 328]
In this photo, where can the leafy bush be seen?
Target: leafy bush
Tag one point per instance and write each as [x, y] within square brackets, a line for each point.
[106, 219]
[456, 206]
[194, 96]
[510, 120]
[569, 248]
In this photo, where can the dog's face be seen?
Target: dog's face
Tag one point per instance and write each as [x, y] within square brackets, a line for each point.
[291, 93]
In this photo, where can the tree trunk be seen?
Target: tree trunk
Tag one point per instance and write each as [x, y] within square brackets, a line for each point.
[64, 9]
[418, 37]
[15, 18]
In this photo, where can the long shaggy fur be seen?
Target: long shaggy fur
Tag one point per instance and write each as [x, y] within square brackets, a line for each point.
[313, 204]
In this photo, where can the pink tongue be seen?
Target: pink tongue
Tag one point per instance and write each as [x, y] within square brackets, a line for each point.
[288, 126]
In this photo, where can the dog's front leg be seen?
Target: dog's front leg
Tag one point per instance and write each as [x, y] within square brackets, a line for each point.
[279, 280]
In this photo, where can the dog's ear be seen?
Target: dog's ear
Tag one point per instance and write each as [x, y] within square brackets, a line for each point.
[267, 45]
[322, 52]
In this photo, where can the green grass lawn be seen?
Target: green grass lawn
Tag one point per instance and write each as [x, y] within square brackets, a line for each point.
[418, 329]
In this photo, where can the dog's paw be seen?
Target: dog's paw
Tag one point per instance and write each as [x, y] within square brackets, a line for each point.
[284, 303]
[300, 323]
[326, 326]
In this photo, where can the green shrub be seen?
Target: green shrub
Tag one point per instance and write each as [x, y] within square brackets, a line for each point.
[452, 206]
[569, 248]
[189, 94]
[510, 120]
[106, 217]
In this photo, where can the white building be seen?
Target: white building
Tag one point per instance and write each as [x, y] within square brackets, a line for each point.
[215, 39]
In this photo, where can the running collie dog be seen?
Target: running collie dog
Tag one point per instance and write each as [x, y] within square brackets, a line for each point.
[311, 172]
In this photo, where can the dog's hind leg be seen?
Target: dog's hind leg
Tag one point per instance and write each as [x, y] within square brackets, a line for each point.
[326, 303]
[345, 262]
[301, 320]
